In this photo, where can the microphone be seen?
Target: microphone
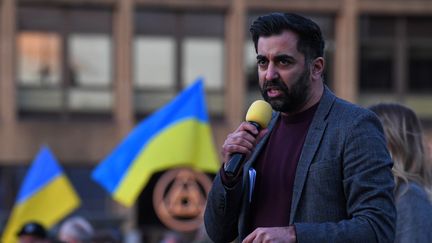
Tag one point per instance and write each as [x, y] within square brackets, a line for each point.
[259, 115]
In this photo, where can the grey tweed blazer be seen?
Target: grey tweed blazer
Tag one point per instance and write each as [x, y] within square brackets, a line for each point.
[343, 187]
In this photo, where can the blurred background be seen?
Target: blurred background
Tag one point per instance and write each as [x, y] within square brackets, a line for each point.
[77, 75]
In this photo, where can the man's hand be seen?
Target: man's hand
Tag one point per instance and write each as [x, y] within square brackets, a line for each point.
[272, 235]
[242, 140]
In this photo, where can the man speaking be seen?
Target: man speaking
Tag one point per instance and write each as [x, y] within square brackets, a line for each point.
[320, 172]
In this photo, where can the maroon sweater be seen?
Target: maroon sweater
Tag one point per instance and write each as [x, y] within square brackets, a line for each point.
[276, 167]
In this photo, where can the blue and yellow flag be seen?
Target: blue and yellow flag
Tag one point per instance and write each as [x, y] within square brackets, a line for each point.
[46, 196]
[177, 135]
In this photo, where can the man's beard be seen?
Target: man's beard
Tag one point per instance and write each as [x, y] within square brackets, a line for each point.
[292, 99]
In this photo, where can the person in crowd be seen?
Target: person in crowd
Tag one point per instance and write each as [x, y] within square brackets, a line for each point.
[412, 171]
[75, 230]
[33, 232]
[320, 172]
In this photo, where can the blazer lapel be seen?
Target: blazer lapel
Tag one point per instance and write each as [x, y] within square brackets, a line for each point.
[310, 147]
[250, 162]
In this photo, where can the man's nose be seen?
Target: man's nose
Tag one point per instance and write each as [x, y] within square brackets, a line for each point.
[272, 72]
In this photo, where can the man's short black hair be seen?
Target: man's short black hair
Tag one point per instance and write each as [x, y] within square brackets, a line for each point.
[310, 40]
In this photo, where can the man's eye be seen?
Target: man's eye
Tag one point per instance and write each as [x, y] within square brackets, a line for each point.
[261, 62]
[285, 62]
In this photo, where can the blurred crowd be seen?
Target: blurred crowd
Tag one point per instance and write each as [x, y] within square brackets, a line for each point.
[77, 229]
[73, 230]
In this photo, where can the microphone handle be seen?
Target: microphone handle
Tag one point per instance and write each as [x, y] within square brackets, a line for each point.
[234, 164]
[236, 161]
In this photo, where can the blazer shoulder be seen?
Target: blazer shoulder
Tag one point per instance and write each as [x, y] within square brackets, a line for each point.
[350, 113]
[333, 107]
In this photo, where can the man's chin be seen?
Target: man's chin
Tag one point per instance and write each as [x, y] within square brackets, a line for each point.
[281, 106]
[276, 104]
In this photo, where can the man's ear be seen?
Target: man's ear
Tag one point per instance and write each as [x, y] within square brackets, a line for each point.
[317, 68]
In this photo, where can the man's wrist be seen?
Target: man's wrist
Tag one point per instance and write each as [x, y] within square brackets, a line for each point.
[227, 180]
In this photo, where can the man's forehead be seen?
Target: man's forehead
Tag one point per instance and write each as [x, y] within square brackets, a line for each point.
[288, 34]
[287, 40]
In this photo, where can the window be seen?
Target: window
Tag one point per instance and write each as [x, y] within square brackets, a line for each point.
[154, 62]
[395, 60]
[171, 51]
[375, 68]
[420, 74]
[64, 61]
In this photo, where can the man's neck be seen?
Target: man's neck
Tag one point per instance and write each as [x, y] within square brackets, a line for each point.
[314, 98]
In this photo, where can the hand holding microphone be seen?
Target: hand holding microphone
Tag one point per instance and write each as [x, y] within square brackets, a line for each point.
[259, 115]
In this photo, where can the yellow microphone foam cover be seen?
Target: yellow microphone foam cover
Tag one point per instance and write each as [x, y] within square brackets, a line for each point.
[259, 112]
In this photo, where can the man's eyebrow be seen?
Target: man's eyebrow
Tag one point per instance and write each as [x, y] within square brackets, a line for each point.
[277, 57]
[285, 56]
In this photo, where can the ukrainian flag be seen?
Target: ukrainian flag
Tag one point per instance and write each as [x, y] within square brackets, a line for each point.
[46, 196]
[177, 135]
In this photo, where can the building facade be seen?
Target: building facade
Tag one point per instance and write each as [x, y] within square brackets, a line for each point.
[76, 75]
